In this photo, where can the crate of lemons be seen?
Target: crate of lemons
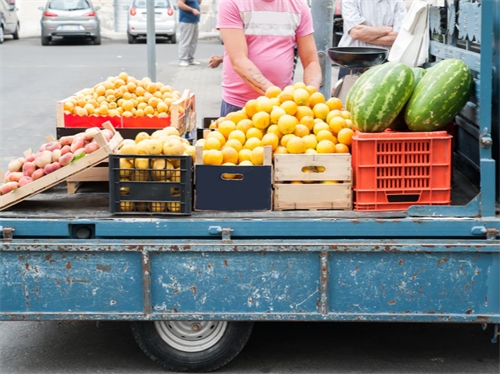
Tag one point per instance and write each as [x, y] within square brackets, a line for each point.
[167, 145]
[124, 96]
[295, 120]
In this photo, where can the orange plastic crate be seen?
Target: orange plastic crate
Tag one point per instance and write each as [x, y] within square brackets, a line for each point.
[394, 170]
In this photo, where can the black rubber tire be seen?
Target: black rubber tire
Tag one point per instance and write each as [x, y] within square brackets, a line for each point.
[226, 349]
[131, 39]
[45, 40]
[2, 35]
[16, 33]
[97, 40]
[173, 39]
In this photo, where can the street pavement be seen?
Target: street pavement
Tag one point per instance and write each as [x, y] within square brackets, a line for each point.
[32, 79]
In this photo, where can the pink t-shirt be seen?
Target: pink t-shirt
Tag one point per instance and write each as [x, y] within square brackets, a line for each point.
[271, 31]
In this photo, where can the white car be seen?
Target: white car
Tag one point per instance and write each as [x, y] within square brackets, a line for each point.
[165, 20]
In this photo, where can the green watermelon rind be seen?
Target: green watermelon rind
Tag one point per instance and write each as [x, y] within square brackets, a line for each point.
[359, 83]
[441, 94]
[377, 102]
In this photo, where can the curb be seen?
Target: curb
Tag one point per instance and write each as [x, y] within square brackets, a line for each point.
[123, 35]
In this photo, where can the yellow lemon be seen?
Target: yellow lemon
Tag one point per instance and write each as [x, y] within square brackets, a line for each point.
[295, 145]
[212, 157]
[257, 156]
[304, 111]
[263, 104]
[226, 127]
[217, 135]
[244, 125]
[280, 151]
[287, 124]
[230, 155]
[325, 135]
[234, 143]
[321, 110]
[254, 133]
[345, 136]
[212, 143]
[238, 135]
[271, 139]
[284, 140]
[273, 129]
[244, 155]
[301, 96]
[252, 143]
[261, 120]
[310, 141]
[325, 146]
[301, 130]
[273, 91]
[276, 114]
[290, 107]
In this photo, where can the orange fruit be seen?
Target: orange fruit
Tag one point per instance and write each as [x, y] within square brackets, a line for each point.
[337, 124]
[325, 135]
[346, 114]
[320, 126]
[246, 163]
[280, 151]
[271, 139]
[244, 155]
[321, 110]
[333, 113]
[237, 135]
[212, 143]
[273, 129]
[218, 135]
[236, 116]
[234, 143]
[316, 98]
[304, 111]
[311, 89]
[325, 146]
[213, 157]
[263, 105]
[251, 108]
[345, 136]
[334, 103]
[310, 141]
[229, 155]
[226, 127]
[276, 114]
[257, 156]
[284, 140]
[295, 145]
[261, 120]
[273, 91]
[290, 107]
[287, 124]
[252, 143]
[311, 151]
[299, 85]
[254, 133]
[244, 125]
[162, 107]
[301, 130]
[341, 148]
[308, 121]
[285, 96]
[301, 96]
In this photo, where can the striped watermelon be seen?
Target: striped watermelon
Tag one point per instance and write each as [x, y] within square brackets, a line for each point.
[379, 97]
[399, 123]
[358, 84]
[440, 95]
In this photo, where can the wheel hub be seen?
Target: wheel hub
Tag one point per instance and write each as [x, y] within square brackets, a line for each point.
[191, 336]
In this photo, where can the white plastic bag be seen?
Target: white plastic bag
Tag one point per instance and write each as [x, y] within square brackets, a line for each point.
[411, 46]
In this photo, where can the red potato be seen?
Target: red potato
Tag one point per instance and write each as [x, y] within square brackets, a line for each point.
[37, 174]
[78, 143]
[25, 180]
[66, 140]
[79, 152]
[50, 168]
[65, 149]
[14, 177]
[56, 155]
[43, 159]
[52, 146]
[91, 147]
[66, 159]
[91, 132]
[15, 165]
[8, 187]
[28, 169]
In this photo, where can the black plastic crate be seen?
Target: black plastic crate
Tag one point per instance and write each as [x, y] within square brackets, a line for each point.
[150, 184]
[249, 189]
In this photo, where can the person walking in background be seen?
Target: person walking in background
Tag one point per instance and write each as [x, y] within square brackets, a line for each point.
[259, 39]
[189, 18]
[370, 23]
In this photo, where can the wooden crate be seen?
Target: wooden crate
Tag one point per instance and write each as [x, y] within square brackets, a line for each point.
[312, 170]
[65, 172]
[98, 173]
[182, 119]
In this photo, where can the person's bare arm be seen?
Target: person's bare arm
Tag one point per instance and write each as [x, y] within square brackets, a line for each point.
[237, 51]
[309, 58]
[387, 40]
[182, 4]
[368, 34]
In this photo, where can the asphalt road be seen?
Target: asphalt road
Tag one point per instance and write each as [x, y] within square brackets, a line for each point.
[32, 79]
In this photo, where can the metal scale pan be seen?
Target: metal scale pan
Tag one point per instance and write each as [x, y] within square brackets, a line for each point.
[354, 58]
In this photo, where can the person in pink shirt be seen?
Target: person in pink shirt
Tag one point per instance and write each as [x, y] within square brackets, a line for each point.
[259, 38]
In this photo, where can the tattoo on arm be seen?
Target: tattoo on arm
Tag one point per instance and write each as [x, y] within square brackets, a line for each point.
[256, 77]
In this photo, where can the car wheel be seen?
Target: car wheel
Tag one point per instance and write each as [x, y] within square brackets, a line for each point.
[16, 33]
[2, 35]
[45, 40]
[173, 39]
[97, 40]
[131, 38]
[192, 346]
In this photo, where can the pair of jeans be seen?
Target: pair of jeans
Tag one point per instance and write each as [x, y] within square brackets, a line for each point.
[227, 108]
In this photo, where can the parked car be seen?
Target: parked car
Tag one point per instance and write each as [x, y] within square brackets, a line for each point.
[165, 20]
[9, 24]
[70, 18]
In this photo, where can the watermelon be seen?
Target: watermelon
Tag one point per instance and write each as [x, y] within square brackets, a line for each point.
[379, 97]
[399, 123]
[358, 84]
[440, 95]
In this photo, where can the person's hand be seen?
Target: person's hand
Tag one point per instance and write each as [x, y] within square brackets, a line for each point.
[214, 61]
[196, 12]
[387, 29]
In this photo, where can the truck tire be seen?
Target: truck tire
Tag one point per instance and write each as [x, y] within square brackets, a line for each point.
[192, 346]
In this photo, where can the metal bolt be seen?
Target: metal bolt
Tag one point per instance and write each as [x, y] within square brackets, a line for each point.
[195, 327]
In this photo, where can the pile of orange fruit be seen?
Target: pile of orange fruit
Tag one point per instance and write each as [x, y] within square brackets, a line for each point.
[295, 120]
[124, 96]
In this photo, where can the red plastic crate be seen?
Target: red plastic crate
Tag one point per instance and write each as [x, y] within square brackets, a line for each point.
[394, 170]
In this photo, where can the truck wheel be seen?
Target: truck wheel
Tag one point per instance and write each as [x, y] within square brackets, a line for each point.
[192, 346]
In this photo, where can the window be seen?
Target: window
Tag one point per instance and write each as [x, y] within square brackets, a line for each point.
[69, 5]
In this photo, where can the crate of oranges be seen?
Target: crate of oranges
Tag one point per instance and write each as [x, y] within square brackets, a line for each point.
[127, 102]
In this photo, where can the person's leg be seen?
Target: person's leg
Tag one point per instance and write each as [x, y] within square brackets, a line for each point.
[184, 43]
[194, 42]
[227, 108]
